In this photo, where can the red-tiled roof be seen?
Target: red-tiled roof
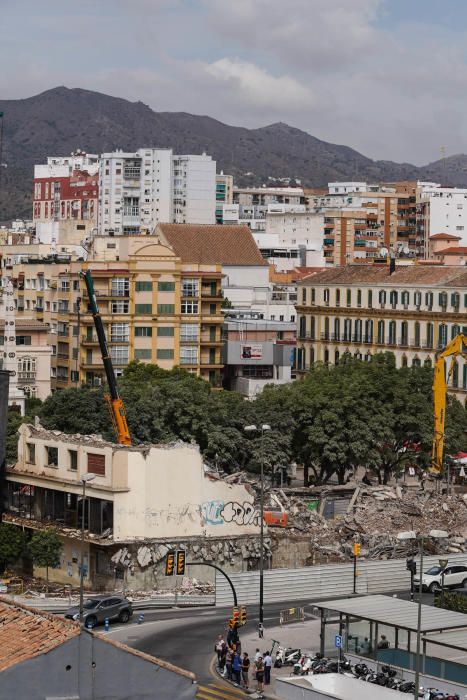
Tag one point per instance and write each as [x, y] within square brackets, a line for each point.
[442, 275]
[25, 633]
[444, 237]
[454, 250]
[212, 244]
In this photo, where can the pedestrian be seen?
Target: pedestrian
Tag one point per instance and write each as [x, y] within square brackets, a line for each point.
[260, 630]
[267, 659]
[259, 670]
[228, 663]
[236, 667]
[223, 657]
[218, 648]
[257, 655]
[383, 642]
[245, 669]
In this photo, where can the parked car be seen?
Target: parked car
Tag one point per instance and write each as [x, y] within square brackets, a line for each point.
[98, 608]
[454, 575]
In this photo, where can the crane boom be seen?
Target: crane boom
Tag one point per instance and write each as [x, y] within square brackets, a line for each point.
[115, 403]
[457, 346]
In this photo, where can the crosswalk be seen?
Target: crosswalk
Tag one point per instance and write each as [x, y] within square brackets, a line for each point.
[218, 691]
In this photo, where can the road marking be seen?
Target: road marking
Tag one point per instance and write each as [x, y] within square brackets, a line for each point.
[214, 692]
[228, 689]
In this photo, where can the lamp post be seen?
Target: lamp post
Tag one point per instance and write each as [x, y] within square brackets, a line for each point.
[84, 480]
[443, 564]
[263, 429]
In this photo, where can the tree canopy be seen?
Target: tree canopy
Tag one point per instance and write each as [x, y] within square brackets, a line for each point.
[338, 418]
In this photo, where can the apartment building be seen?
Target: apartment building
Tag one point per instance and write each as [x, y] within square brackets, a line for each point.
[440, 210]
[66, 188]
[351, 235]
[224, 194]
[139, 498]
[194, 190]
[362, 310]
[33, 357]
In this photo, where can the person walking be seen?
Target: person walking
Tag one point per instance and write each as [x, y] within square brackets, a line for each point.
[267, 659]
[228, 663]
[236, 667]
[260, 630]
[218, 648]
[259, 669]
[245, 669]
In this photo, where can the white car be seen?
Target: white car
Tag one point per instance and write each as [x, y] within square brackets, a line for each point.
[454, 575]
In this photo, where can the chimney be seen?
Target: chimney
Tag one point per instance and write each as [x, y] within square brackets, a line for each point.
[4, 389]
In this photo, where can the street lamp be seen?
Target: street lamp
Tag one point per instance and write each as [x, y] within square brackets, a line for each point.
[253, 429]
[443, 564]
[411, 535]
[84, 480]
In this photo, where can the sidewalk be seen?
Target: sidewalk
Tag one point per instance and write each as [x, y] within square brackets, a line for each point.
[302, 635]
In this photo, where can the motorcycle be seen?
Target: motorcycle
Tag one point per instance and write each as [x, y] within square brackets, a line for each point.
[286, 656]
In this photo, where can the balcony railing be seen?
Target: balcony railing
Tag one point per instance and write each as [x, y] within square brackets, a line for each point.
[26, 376]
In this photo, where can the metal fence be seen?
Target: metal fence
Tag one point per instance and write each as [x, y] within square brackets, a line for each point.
[291, 615]
[324, 581]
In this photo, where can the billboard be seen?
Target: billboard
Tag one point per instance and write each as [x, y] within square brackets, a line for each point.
[252, 351]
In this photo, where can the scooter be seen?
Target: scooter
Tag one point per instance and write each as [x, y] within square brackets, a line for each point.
[285, 656]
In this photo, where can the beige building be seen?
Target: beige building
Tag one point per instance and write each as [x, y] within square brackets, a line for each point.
[363, 310]
[138, 499]
[34, 357]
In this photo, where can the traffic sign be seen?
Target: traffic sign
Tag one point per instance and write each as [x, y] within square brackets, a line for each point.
[338, 641]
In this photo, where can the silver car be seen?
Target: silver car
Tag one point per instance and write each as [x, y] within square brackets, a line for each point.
[99, 608]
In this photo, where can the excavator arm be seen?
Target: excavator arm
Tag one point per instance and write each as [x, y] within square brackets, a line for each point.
[115, 403]
[456, 347]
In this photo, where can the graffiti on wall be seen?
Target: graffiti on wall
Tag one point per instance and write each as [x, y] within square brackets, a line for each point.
[217, 513]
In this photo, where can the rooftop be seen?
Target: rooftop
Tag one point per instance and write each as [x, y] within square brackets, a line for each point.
[429, 276]
[212, 244]
[25, 633]
[397, 613]
[444, 237]
[454, 250]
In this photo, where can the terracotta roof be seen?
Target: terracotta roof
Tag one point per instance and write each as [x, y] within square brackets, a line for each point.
[454, 250]
[443, 275]
[444, 237]
[25, 633]
[212, 244]
[27, 324]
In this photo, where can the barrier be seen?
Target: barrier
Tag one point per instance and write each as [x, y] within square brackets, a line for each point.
[291, 615]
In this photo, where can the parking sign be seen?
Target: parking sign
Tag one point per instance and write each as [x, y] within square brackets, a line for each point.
[338, 641]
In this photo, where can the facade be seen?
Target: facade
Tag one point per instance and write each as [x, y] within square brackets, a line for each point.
[33, 357]
[140, 498]
[441, 209]
[224, 195]
[46, 656]
[350, 235]
[66, 188]
[363, 310]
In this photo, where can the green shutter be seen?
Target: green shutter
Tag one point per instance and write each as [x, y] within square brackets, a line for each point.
[143, 331]
[166, 309]
[143, 308]
[165, 331]
[144, 286]
[166, 286]
[165, 354]
[143, 354]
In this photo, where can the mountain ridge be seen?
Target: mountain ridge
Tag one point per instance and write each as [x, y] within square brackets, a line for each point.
[60, 120]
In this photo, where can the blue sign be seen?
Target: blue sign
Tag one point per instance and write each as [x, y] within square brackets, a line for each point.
[338, 641]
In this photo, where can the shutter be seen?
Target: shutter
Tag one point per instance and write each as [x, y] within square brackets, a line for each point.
[96, 464]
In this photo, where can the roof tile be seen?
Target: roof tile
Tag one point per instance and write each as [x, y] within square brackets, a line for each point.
[439, 276]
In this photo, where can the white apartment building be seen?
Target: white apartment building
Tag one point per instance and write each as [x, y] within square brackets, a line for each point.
[63, 166]
[441, 210]
[135, 190]
[194, 190]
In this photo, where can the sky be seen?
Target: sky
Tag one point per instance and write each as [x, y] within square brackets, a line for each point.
[387, 77]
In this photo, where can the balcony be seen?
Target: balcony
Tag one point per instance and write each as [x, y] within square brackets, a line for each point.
[26, 376]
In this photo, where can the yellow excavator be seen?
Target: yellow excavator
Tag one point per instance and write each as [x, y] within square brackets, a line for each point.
[457, 347]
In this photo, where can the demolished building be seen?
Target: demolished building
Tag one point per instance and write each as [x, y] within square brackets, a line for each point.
[141, 502]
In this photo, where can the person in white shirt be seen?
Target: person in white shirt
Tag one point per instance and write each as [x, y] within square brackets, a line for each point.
[267, 667]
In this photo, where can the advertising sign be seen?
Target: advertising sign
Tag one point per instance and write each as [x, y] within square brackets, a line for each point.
[253, 351]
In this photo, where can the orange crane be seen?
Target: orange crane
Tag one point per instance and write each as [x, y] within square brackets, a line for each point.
[115, 403]
[457, 346]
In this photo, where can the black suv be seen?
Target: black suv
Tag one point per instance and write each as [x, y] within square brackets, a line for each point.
[98, 608]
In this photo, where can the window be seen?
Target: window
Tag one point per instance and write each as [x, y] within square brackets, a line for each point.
[326, 296]
[405, 297]
[96, 464]
[189, 332]
[368, 331]
[30, 453]
[443, 299]
[418, 299]
[167, 309]
[119, 307]
[429, 299]
[429, 335]
[443, 335]
[143, 331]
[23, 340]
[73, 460]
[349, 297]
[188, 355]
[338, 297]
[417, 334]
[143, 354]
[120, 287]
[165, 331]
[393, 296]
[166, 286]
[304, 296]
[143, 308]
[312, 328]
[382, 297]
[337, 329]
[348, 329]
[119, 332]
[190, 287]
[165, 354]
[370, 299]
[455, 300]
[359, 297]
[52, 456]
[189, 307]
[392, 333]
[143, 286]
[381, 332]
[358, 331]
[26, 368]
[455, 330]
[404, 333]
[302, 327]
[326, 328]
[119, 354]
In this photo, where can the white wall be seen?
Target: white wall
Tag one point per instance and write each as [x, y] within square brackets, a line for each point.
[448, 211]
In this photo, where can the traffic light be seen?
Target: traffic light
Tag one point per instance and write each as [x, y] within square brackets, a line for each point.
[236, 617]
[181, 562]
[356, 549]
[242, 615]
[170, 564]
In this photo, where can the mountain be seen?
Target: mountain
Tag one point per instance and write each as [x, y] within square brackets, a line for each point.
[61, 120]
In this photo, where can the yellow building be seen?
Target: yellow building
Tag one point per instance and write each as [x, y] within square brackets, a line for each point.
[366, 309]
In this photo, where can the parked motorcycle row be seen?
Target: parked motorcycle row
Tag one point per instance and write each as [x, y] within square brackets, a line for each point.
[304, 664]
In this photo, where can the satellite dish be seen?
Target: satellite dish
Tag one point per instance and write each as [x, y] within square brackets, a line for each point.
[406, 250]
[384, 251]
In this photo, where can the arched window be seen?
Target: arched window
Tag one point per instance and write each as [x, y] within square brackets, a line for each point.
[337, 329]
[358, 331]
[326, 328]
[427, 362]
[404, 333]
[393, 298]
[429, 335]
[336, 357]
[368, 357]
[442, 335]
[312, 328]
[29, 392]
[370, 298]
[302, 326]
[338, 297]
[326, 297]
[359, 297]
[312, 356]
[404, 361]
[417, 297]
[429, 300]
[455, 300]
[455, 374]
[368, 331]
[26, 368]
[382, 297]
[348, 329]
[381, 333]
[405, 297]
[358, 355]
[417, 334]
[443, 299]
[455, 330]
[326, 356]
[392, 333]
[416, 362]
[349, 297]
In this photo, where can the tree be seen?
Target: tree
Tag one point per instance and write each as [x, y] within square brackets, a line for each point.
[12, 544]
[45, 548]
